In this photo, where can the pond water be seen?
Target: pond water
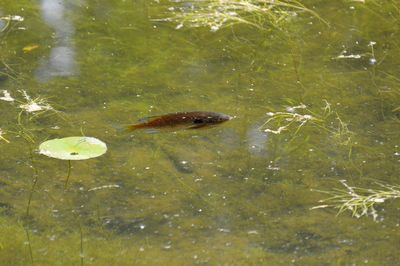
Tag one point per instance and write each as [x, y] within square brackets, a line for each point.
[315, 99]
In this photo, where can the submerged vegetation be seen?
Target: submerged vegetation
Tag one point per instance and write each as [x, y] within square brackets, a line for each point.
[29, 109]
[2, 137]
[294, 118]
[216, 14]
[359, 201]
[7, 24]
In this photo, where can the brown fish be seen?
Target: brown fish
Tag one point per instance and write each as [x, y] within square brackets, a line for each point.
[181, 120]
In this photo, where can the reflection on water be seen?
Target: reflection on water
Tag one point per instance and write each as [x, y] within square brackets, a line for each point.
[257, 141]
[61, 61]
[2, 23]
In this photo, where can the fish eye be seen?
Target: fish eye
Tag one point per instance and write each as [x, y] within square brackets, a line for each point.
[198, 121]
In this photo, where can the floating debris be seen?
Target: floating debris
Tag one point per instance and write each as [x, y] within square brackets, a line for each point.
[104, 187]
[34, 105]
[8, 19]
[354, 56]
[13, 18]
[30, 48]
[7, 96]
[292, 109]
[344, 54]
[273, 168]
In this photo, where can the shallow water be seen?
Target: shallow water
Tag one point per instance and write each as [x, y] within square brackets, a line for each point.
[231, 194]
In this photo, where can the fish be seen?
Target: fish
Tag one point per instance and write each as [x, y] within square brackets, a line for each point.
[181, 120]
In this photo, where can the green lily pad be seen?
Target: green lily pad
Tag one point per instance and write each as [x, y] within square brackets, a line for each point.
[73, 148]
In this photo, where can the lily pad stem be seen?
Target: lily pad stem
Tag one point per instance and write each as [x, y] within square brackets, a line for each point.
[69, 173]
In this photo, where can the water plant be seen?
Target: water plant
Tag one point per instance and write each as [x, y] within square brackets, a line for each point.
[22, 129]
[32, 107]
[73, 148]
[285, 119]
[28, 110]
[2, 137]
[217, 14]
[359, 201]
[295, 117]
[35, 107]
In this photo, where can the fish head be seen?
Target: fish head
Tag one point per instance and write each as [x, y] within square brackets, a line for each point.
[222, 118]
[211, 119]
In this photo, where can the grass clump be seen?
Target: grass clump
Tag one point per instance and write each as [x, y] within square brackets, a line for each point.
[294, 118]
[38, 106]
[359, 201]
[217, 14]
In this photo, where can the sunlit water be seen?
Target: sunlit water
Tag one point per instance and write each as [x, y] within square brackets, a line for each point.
[227, 195]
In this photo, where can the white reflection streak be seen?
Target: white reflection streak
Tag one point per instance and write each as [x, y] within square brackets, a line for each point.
[257, 140]
[61, 62]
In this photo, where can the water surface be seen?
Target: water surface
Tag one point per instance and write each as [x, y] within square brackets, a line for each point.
[228, 195]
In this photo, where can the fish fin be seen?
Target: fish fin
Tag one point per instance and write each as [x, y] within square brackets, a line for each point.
[151, 131]
[123, 129]
[198, 126]
[120, 129]
[134, 127]
[147, 119]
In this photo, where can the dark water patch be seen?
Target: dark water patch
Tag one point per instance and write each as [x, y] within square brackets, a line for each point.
[181, 165]
[6, 209]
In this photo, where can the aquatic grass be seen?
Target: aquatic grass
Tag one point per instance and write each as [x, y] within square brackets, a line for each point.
[359, 201]
[30, 140]
[295, 117]
[7, 71]
[284, 120]
[36, 107]
[30, 109]
[2, 137]
[10, 21]
[344, 54]
[217, 14]
[391, 92]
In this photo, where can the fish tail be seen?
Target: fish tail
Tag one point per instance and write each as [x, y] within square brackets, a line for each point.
[122, 129]
[134, 127]
[119, 129]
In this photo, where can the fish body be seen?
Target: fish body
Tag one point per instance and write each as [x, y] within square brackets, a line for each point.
[181, 120]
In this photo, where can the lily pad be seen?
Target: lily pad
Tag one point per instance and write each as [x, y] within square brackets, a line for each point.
[73, 148]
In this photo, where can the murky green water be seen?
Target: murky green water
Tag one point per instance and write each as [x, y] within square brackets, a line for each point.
[227, 195]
